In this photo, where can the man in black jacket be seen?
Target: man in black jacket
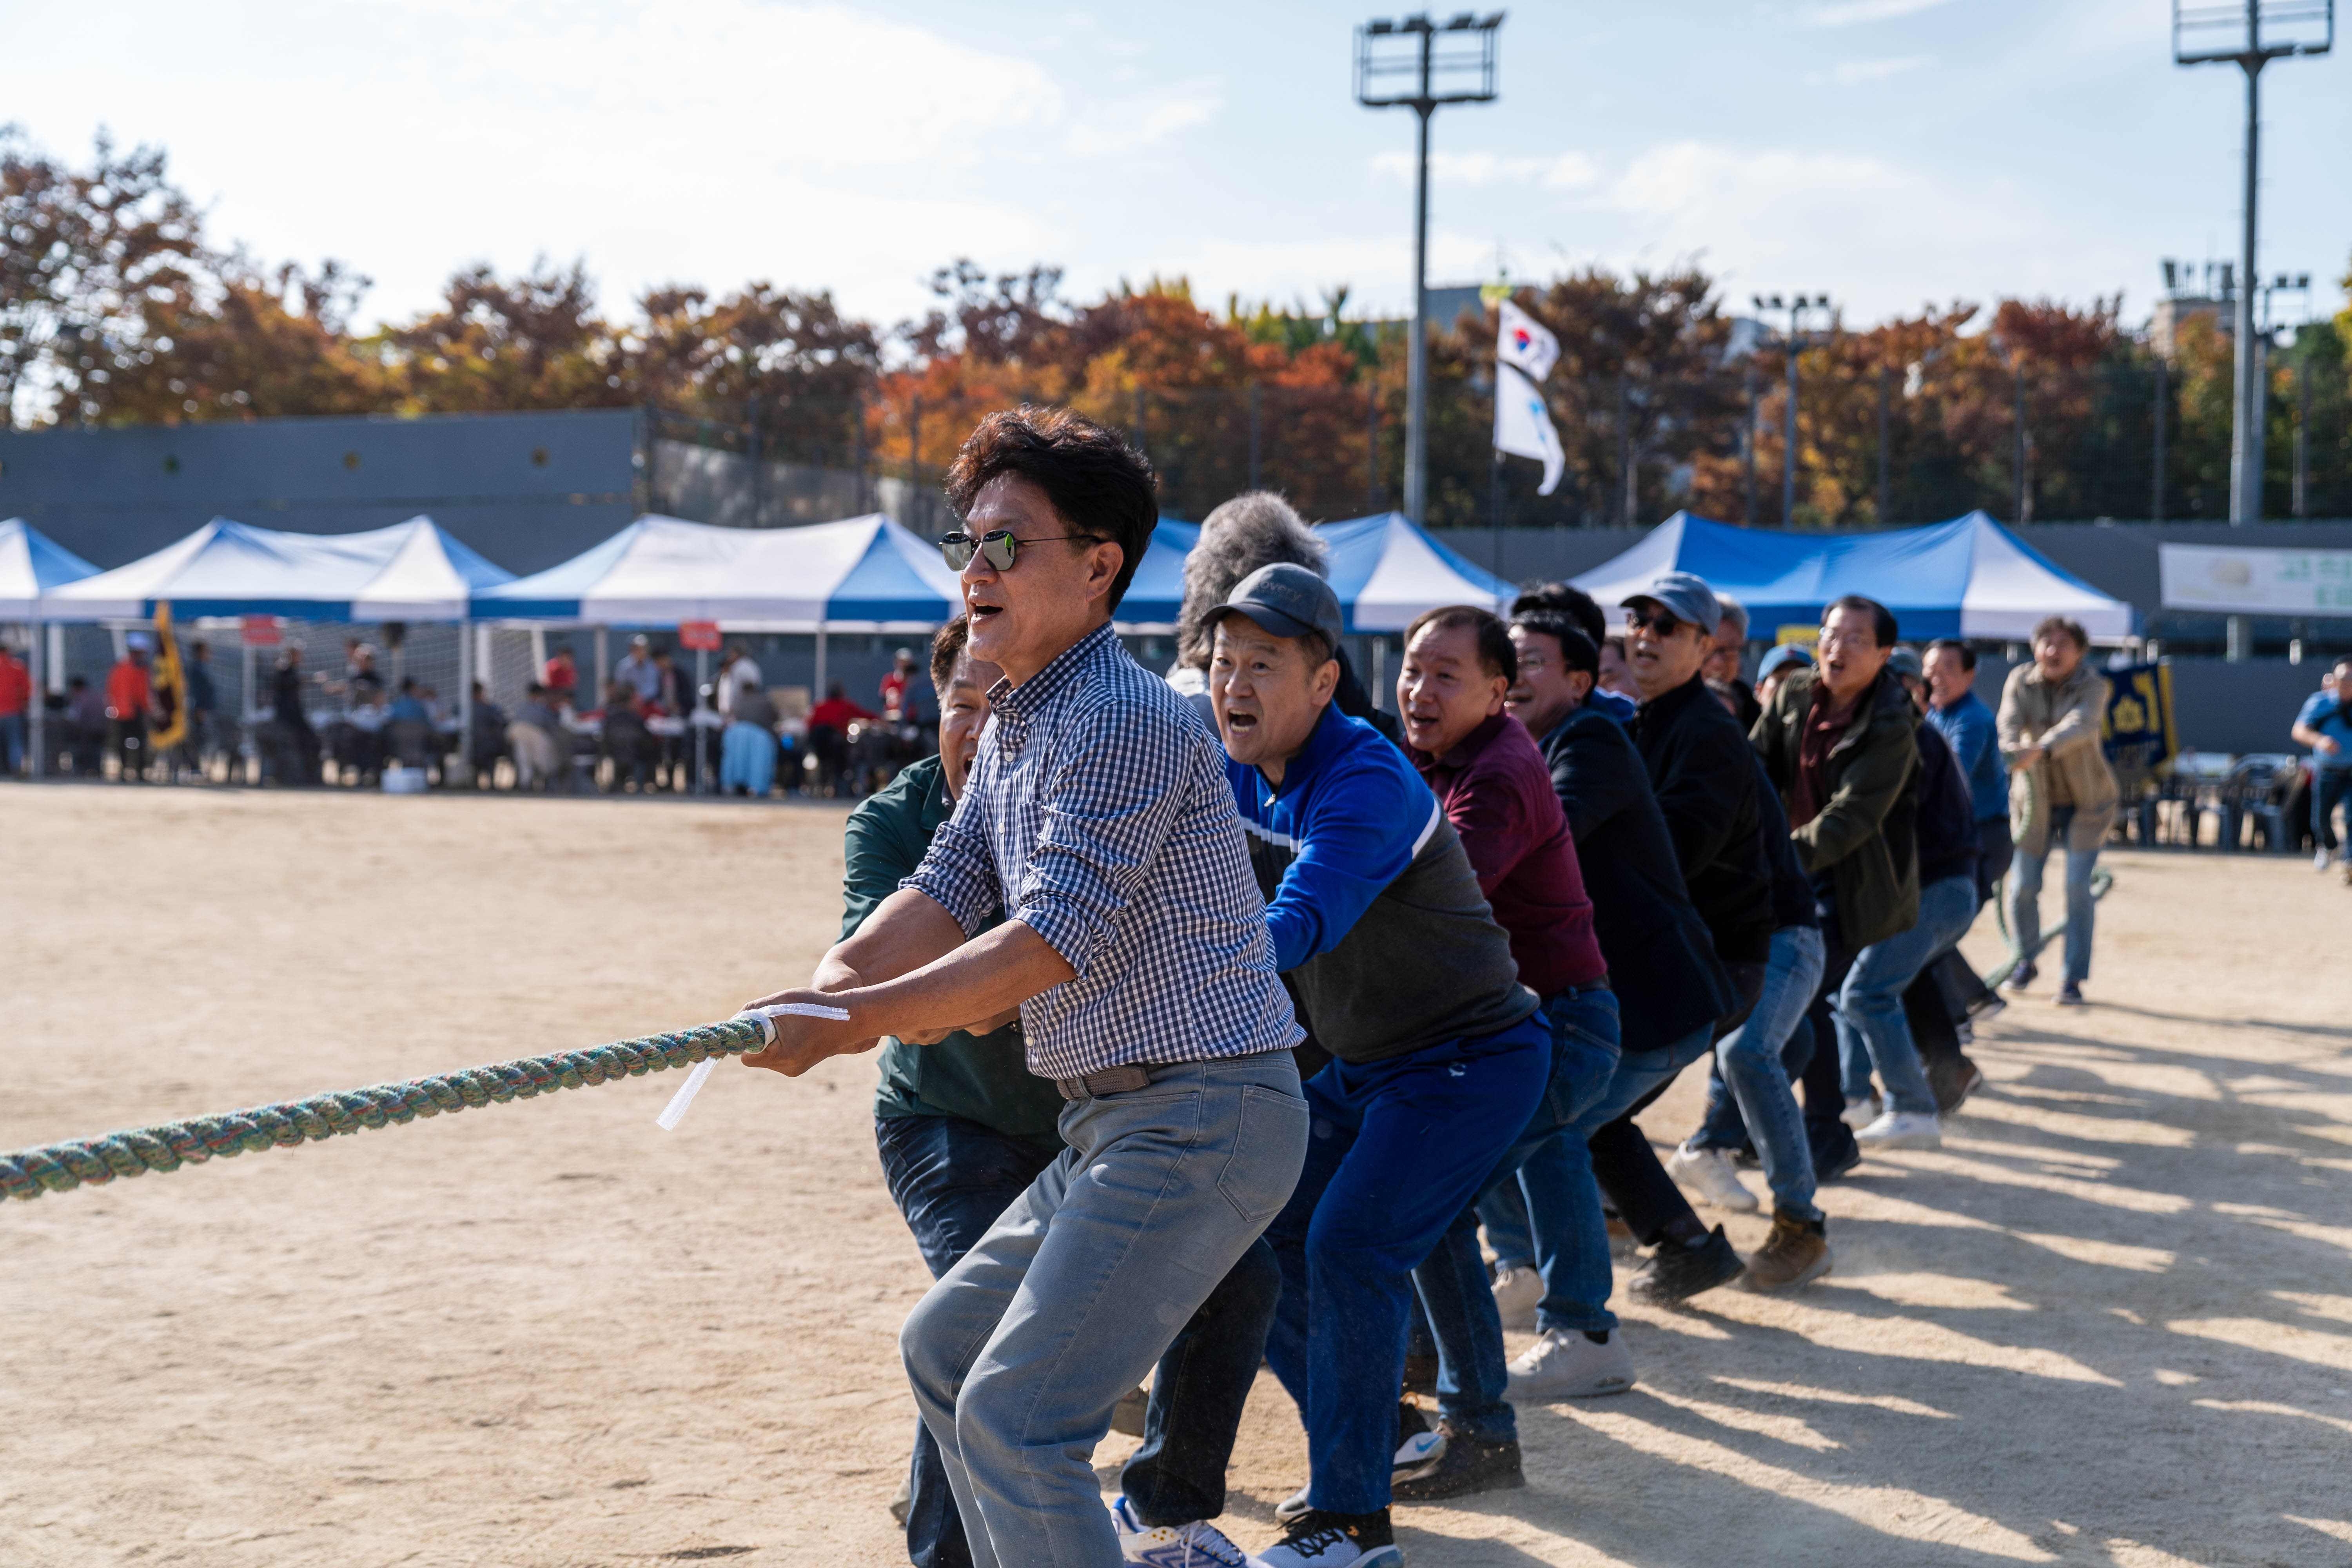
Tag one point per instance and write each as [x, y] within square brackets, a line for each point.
[1670, 991]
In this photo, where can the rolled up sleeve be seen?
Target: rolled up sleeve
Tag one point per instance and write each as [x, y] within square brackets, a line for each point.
[1106, 815]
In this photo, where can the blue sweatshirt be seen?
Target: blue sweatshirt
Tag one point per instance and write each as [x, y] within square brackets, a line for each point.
[1969, 728]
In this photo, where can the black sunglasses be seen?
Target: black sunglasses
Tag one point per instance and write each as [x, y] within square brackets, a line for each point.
[997, 546]
[1658, 621]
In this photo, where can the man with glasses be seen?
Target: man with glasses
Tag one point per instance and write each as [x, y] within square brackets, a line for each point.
[1097, 818]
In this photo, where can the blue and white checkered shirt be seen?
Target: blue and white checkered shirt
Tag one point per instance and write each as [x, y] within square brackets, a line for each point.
[1097, 815]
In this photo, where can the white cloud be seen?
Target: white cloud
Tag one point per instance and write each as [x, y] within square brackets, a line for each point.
[1552, 171]
[1861, 73]
[1847, 13]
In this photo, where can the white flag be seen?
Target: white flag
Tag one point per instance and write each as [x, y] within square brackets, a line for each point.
[1520, 340]
[1523, 426]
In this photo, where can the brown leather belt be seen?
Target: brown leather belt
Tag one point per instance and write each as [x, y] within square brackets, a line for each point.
[1104, 1080]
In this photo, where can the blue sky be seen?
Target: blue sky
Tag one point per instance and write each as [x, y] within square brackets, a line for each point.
[1886, 152]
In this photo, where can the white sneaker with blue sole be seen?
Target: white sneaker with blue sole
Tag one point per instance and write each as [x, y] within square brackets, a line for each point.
[1199, 1544]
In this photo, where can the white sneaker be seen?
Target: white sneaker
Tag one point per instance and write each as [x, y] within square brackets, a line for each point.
[1195, 1545]
[1517, 1291]
[2319, 862]
[1564, 1365]
[1313, 1545]
[1860, 1113]
[1902, 1129]
[1709, 1173]
[1291, 1507]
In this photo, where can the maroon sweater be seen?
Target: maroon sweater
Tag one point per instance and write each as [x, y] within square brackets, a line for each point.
[1498, 794]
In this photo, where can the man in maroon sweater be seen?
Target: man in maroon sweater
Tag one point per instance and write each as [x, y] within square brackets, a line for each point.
[1497, 792]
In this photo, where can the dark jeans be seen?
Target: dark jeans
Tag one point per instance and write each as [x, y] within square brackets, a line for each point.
[951, 1178]
[2328, 787]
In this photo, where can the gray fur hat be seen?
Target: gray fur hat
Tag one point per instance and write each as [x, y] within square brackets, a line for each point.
[1251, 531]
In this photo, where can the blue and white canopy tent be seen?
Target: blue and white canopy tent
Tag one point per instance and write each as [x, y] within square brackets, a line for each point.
[1969, 577]
[1386, 571]
[1157, 590]
[31, 563]
[860, 575]
[412, 571]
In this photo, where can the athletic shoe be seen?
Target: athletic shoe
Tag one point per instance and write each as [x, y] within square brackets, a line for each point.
[1468, 1463]
[1860, 1113]
[2321, 861]
[1953, 1079]
[1295, 1506]
[1709, 1173]
[2020, 977]
[1195, 1545]
[1676, 1272]
[2070, 995]
[1417, 1444]
[902, 1502]
[1901, 1129]
[1126, 1416]
[1319, 1539]
[1987, 1004]
[1834, 1151]
[1565, 1363]
[1796, 1253]
[1517, 1290]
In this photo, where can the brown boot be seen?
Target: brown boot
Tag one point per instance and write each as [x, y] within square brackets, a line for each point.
[1796, 1253]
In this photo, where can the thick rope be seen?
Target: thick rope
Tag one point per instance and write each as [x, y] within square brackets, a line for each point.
[62, 1167]
[2101, 880]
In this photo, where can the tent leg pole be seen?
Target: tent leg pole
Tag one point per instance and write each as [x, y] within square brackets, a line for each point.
[38, 709]
[818, 695]
[463, 773]
[695, 733]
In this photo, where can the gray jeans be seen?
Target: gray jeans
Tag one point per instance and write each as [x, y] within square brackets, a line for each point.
[1019, 1353]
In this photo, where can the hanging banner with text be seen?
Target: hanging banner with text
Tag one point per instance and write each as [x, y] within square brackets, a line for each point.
[2229, 580]
[2137, 729]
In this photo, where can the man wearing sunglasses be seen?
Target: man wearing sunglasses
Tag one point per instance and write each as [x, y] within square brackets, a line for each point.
[1097, 818]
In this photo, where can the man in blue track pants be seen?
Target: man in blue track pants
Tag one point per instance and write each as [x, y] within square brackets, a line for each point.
[1441, 1055]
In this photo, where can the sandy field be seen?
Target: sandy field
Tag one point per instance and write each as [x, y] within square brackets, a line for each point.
[2110, 1321]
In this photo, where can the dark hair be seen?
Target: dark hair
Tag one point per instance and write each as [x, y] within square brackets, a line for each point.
[1574, 603]
[1577, 651]
[1967, 655]
[1882, 618]
[1099, 486]
[76, 683]
[534, 689]
[1496, 654]
[947, 646]
[2072, 628]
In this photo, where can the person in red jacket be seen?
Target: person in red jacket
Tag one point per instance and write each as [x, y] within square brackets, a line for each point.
[129, 697]
[828, 734]
[1496, 789]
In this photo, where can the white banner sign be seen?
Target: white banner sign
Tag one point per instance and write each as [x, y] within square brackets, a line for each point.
[2228, 580]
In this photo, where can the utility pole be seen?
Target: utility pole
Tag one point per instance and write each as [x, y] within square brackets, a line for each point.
[1408, 50]
[1747, 446]
[1794, 344]
[2155, 479]
[1885, 465]
[2250, 38]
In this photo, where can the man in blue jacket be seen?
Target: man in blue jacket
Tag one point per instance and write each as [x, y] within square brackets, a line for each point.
[1441, 1055]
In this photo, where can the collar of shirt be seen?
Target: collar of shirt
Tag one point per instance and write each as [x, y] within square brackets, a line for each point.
[1328, 739]
[1012, 708]
[1467, 751]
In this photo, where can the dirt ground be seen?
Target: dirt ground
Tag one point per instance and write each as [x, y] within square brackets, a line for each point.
[2110, 1321]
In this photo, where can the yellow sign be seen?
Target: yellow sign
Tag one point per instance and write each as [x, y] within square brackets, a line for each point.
[1805, 636]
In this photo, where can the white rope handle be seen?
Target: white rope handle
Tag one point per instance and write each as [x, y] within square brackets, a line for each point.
[674, 1112]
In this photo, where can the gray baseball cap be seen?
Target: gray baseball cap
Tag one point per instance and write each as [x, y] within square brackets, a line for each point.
[1905, 662]
[1781, 658]
[1683, 596]
[1287, 600]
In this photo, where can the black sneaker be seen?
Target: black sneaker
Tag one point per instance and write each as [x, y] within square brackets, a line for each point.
[1834, 1149]
[1467, 1463]
[2020, 978]
[1676, 1272]
[1317, 1539]
[2070, 995]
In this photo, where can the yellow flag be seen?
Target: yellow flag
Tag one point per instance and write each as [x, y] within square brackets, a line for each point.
[169, 685]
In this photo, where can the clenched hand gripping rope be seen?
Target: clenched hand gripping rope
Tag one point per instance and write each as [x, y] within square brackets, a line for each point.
[62, 1167]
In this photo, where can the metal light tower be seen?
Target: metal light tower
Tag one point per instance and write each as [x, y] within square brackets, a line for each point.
[1796, 305]
[1419, 64]
[2250, 34]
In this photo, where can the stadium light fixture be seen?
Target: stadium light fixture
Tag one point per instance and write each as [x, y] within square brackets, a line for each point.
[1417, 64]
[1796, 305]
[2249, 35]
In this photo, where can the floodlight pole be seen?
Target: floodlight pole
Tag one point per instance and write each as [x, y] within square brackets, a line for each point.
[2248, 400]
[1424, 101]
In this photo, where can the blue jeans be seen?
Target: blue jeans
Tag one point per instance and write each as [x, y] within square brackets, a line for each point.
[2329, 787]
[1400, 1148]
[1566, 1230]
[951, 1178]
[1474, 1370]
[1757, 1082]
[2025, 898]
[12, 743]
[1019, 1353]
[1868, 1006]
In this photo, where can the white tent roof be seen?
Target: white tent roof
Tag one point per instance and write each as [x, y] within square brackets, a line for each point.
[30, 564]
[410, 571]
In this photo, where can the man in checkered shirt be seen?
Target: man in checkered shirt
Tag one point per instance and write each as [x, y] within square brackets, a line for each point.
[1135, 951]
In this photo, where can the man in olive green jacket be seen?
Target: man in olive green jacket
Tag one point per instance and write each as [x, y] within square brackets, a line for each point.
[1840, 743]
[2051, 711]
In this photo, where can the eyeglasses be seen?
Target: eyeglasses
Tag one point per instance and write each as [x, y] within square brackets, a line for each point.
[997, 546]
[1658, 623]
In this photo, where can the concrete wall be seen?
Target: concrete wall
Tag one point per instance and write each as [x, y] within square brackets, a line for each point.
[527, 490]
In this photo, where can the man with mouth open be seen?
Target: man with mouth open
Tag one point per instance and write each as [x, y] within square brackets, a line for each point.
[1440, 1054]
[1097, 818]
